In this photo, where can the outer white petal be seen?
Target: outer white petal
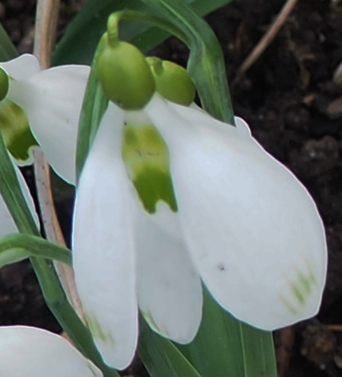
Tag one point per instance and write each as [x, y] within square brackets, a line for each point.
[32, 352]
[21, 68]
[104, 259]
[52, 100]
[169, 288]
[253, 230]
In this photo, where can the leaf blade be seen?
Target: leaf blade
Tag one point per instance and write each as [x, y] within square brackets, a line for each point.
[161, 357]
[79, 42]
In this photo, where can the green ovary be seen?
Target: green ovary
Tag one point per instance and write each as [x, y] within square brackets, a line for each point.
[15, 130]
[147, 160]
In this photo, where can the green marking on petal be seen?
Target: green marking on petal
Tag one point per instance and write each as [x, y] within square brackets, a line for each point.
[16, 131]
[149, 318]
[288, 305]
[4, 84]
[153, 324]
[146, 158]
[306, 282]
[297, 291]
[301, 287]
[97, 331]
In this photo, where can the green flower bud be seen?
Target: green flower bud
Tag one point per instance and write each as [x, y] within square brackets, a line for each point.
[172, 81]
[125, 75]
[4, 84]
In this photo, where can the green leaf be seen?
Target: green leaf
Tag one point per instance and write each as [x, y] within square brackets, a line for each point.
[94, 105]
[81, 38]
[16, 247]
[7, 49]
[225, 345]
[161, 357]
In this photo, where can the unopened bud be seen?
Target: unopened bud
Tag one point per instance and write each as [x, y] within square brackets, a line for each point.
[125, 75]
[172, 81]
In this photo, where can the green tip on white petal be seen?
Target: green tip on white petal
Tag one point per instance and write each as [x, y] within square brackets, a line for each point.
[172, 81]
[147, 161]
[125, 75]
[253, 231]
[4, 84]
[53, 107]
[16, 132]
[169, 288]
[28, 351]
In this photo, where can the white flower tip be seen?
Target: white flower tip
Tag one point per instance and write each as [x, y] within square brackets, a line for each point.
[182, 332]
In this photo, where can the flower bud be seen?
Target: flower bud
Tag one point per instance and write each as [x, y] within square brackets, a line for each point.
[4, 84]
[172, 81]
[125, 75]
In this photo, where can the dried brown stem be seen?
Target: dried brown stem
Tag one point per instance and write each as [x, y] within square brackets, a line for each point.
[45, 33]
[268, 37]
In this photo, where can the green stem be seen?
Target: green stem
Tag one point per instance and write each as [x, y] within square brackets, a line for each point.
[19, 246]
[53, 292]
[132, 15]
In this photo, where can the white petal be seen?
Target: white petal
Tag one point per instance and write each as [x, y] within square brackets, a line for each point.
[169, 288]
[32, 352]
[104, 259]
[52, 100]
[253, 230]
[21, 68]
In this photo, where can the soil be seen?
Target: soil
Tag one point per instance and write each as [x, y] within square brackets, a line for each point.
[294, 107]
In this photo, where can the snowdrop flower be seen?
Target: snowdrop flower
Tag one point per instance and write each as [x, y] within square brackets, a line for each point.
[169, 198]
[32, 352]
[48, 103]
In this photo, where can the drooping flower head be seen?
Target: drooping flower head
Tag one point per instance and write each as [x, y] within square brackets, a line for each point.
[169, 198]
[42, 108]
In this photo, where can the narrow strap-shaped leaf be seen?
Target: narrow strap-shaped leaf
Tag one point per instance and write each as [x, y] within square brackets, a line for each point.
[81, 38]
[16, 247]
[95, 103]
[7, 49]
[161, 357]
[225, 346]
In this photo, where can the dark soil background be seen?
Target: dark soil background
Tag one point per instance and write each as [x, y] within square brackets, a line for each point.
[294, 108]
